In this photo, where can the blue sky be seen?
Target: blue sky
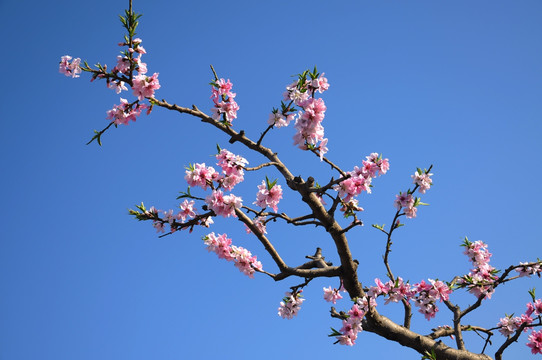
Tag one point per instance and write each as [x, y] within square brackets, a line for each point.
[453, 84]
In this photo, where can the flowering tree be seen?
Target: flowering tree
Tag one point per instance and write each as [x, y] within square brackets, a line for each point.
[331, 206]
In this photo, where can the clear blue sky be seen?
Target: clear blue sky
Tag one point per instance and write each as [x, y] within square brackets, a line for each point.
[453, 84]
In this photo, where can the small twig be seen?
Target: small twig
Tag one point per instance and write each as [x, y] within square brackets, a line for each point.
[326, 160]
[351, 226]
[330, 184]
[263, 134]
[260, 166]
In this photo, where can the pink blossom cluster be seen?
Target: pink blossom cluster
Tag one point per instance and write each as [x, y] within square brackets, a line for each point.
[290, 304]
[279, 119]
[186, 212]
[224, 101]
[232, 171]
[427, 295]
[527, 270]
[332, 295]
[361, 177]
[259, 222]
[118, 86]
[144, 86]
[480, 279]
[242, 258]
[232, 168]
[308, 125]
[124, 63]
[353, 324]
[351, 207]
[392, 291]
[301, 89]
[201, 175]
[535, 342]
[423, 180]
[68, 68]
[223, 205]
[407, 202]
[509, 324]
[269, 194]
[124, 112]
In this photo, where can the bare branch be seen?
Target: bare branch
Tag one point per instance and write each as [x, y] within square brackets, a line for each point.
[266, 243]
[260, 166]
[329, 162]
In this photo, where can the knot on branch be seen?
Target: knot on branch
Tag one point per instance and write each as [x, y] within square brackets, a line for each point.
[318, 261]
[316, 267]
[338, 315]
[237, 137]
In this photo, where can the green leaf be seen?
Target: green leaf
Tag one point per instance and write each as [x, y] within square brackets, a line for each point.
[190, 167]
[186, 194]
[532, 293]
[270, 184]
[334, 333]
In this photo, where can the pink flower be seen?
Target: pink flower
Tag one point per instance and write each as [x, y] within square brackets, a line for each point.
[244, 261]
[379, 289]
[290, 305]
[118, 86]
[294, 94]
[349, 340]
[538, 307]
[364, 303]
[535, 342]
[407, 202]
[187, 210]
[269, 194]
[141, 66]
[356, 313]
[403, 200]
[332, 295]
[227, 107]
[159, 226]
[308, 125]
[260, 225]
[70, 69]
[323, 149]
[123, 65]
[423, 180]
[480, 279]
[279, 120]
[144, 86]
[242, 258]
[124, 112]
[322, 84]
[528, 270]
[224, 87]
[200, 175]
[232, 168]
[223, 205]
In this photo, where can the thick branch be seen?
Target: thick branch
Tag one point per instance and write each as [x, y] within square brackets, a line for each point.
[386, 328]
